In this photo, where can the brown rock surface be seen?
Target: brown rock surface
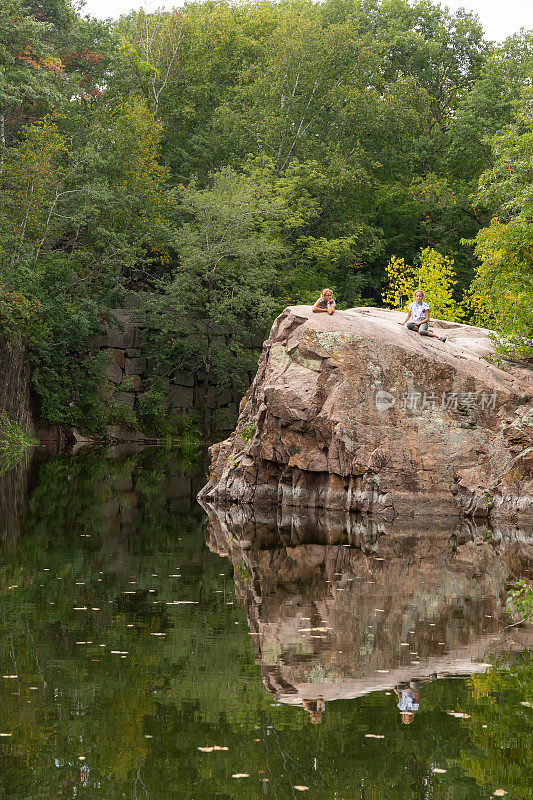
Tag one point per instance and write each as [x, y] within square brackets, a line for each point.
[339, 606]
[355, 412]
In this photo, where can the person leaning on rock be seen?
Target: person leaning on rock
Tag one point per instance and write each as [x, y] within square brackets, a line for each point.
[325, 302]
[418, 313]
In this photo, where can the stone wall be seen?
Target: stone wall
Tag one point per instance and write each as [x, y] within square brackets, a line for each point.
[126, 366]
[124, 340]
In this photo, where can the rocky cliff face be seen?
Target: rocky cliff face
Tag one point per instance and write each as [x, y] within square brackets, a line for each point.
[15, 384]
[355, 412]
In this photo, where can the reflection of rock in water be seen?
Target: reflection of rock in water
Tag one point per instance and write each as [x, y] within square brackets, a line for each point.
[338, 606]
[106, 493]
[15, 485]
[13, 494]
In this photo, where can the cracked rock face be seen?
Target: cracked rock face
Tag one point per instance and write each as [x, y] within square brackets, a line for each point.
[355, 412]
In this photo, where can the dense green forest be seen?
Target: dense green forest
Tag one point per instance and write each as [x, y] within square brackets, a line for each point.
[229, 159]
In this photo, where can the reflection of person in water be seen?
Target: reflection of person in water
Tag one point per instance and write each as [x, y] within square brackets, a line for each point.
[409, 698]
[315, 708]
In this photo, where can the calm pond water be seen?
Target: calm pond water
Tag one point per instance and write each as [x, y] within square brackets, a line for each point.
[151, 650]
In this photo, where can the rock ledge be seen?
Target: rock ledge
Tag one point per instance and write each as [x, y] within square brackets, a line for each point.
[354, 412]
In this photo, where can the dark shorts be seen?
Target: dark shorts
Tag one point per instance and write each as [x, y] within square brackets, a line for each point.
[422, 328]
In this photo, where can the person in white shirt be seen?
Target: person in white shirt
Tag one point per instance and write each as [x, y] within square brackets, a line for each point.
[418, 313]
[409, 700]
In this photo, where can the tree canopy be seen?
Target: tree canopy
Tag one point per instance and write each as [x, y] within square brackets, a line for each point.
[360, 131]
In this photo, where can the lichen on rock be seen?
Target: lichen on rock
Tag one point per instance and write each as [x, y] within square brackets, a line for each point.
[355, 412]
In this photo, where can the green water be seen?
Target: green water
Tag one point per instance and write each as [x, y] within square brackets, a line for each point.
[129, 643]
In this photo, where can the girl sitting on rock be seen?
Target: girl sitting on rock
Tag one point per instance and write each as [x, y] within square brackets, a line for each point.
[419, 314]
[325, 302]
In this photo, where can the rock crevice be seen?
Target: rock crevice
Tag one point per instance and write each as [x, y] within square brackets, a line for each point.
[355, 412]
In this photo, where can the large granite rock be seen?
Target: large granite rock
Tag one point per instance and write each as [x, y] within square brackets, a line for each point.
[355, 412]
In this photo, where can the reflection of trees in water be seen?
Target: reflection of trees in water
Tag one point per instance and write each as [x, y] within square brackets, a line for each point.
[90, 523]
[97, 524]
[501, 727]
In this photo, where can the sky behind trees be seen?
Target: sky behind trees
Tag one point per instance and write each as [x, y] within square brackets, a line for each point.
[499, 20]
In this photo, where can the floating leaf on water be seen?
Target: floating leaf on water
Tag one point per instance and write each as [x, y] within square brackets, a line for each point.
[314, 630]
[181, 602]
